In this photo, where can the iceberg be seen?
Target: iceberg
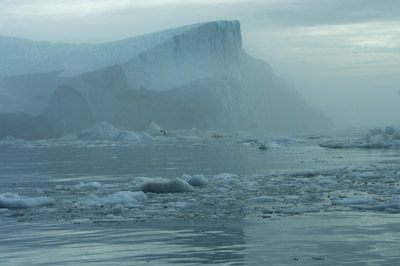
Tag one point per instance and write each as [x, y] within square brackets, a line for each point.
[193, 76]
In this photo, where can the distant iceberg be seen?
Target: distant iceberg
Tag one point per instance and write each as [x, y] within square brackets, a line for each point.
[373, 139]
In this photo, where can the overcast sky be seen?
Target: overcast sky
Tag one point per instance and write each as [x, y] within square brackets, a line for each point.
[339, 53]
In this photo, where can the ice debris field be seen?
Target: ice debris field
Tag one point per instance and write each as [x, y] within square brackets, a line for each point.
[225, 196]
[217, 197]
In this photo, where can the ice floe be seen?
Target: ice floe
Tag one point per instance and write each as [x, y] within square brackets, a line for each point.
[11, 200]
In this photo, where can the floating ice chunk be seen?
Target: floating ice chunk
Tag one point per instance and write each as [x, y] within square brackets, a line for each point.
[90, 185]
[366, 175]
[198, 181]
[113, 218]
[396, 189]
[353, 201]
[121, 197]
[82, 221]
[373, 139]
[10, 200]
[396, 136]
[227, 178]
[326, 181]
[267, 144]
[376, 131]
[390, 130]
[173, 186]
[305, 173]
[263, 199]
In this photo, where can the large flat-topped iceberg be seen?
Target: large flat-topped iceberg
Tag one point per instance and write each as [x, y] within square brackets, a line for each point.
[193, 76]
[19, 56]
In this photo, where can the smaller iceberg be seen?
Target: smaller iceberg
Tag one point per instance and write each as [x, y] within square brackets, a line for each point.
[13, 201]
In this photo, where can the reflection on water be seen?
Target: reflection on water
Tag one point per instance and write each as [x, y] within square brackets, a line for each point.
[344, 238]
[115, 244]
[30, 167]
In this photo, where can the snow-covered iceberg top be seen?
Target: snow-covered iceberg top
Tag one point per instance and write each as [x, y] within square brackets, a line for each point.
[374, 138]
[76, 59]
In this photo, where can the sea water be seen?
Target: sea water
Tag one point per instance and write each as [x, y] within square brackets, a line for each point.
[292, 204]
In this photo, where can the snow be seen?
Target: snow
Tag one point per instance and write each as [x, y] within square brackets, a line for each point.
[10, 200]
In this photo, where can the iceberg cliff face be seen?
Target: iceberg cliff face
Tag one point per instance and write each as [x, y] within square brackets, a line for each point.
[207, 51]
